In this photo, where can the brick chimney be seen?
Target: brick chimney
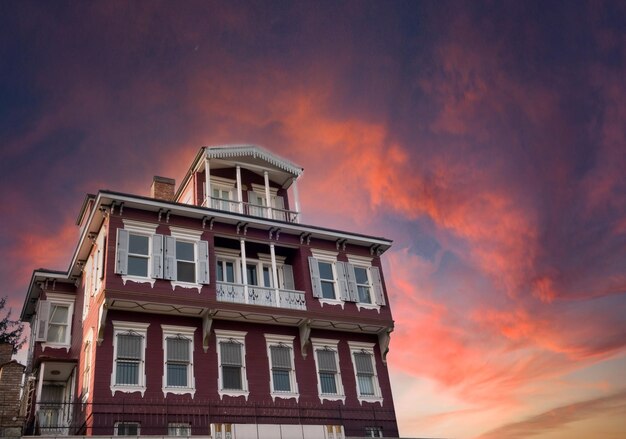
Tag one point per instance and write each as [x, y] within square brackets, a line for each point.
[162, 188]
[6, 352]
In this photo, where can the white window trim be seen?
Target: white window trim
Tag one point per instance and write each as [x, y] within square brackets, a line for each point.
[87, 285]
[331, 258]
[358, 347]
[60, 299]
[366, 263]
[186, 332]
[240, 337]
[116, 425]
[259, 189]
[282, 340]
[140, 329]
[234, 256]
[87, 345]
[191, 236]
[145, 229]
[324, 343]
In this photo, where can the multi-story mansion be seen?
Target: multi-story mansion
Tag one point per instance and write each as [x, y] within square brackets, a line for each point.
[211, 310]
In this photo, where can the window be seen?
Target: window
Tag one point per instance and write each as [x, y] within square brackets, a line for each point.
[139, 252]
[59, 323]
[178, 429]
[258, 202]
[373, 432]
[328, 278]
[129, 344]
[364, 283]
[178, 376]
[283, 382]
[186, 258]
[127, 429]
[231, 353]
[365, 371]
[222, 199]
[329, 382]
[87, 364]
[54, 321]
[185, 262]
[226, 271]
[138, 255]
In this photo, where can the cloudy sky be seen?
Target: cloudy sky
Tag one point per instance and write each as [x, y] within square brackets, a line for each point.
[487, 139]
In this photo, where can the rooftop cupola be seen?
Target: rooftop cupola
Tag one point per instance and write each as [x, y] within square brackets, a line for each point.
[245, 179]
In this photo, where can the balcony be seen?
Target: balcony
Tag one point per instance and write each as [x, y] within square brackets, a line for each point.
[251, 209]
[262, 296]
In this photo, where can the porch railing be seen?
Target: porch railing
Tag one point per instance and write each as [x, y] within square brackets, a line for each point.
[154, 417]
[251, 209]
[256, 295]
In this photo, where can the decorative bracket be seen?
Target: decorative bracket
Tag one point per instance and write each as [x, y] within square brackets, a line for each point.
[80, 264]
[245, 227]
[305, 336]
[92, 237]
[207, 322]
[121, 208]
[277, 233]
[384, 337]
[211, 220]
[374, 249]
[306, 236]
[102, 317]
[167, 214]
[272, 229]
[341, 243]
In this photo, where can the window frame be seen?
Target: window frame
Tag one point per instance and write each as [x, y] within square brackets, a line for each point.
[366, 348]
[87, 365]
[178, 425]
[240, 338]
[329, 258]
[139, 228]
[134, 328]
[191, 237]
[333, 346]
[366, 264]
[272, 340]
[55, 299]
[187, 332]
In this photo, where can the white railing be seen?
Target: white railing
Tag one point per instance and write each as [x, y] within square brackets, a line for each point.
[262, 296]
[252, 209]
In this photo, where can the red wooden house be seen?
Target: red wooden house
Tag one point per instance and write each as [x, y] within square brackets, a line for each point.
[212, 310]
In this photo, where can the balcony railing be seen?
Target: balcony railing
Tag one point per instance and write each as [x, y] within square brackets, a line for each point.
[252, 209]
[236, 293]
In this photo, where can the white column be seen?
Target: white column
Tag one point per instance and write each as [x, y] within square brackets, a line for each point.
[39, 383]
[268, 199]
[275, 274]
[244, 272]
[239, 192]
[207, 183]
[296, 199]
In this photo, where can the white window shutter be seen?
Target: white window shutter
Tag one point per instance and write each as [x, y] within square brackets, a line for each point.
[343, 281]
[289, 283]
[314, 268]
[378, 286]
[157, 256]
[170, 258]
[43, 314]
[202, 266]
[121, 256]
[352, 288]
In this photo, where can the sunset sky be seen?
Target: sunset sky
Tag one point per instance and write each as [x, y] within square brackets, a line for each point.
[487, 139]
